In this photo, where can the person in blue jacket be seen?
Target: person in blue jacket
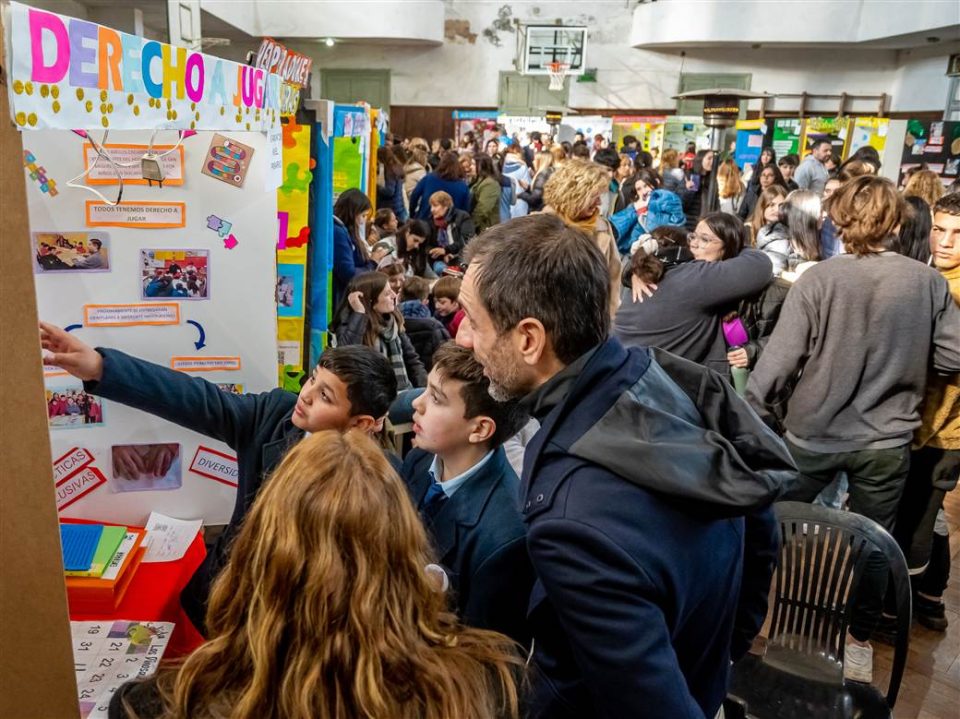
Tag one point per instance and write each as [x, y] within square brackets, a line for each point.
[646, 492]
[649, 211]
[351, 256]
[448, 177]
[466, 491]
[351, 387]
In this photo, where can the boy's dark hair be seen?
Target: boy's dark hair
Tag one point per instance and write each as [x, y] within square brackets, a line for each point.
[447, 288]
[949, 204]
[370, 380]
[527, 267]
[790, 160]
[415, 288]
[580, 149]
[446, 144]
[457, 363]
[608, 157]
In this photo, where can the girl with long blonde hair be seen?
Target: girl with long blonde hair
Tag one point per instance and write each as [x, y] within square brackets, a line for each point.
[326, 610]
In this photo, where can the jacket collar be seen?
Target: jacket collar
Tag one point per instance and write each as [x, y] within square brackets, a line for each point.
[465, 508]
[273, 452]
[594, 391]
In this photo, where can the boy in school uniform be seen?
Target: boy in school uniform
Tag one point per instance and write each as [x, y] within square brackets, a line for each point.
[446, 296]
[467, 493]
[350, 388]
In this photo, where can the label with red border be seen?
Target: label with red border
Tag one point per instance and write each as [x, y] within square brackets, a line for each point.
[215, 465]
[71, 463]
[77, 486]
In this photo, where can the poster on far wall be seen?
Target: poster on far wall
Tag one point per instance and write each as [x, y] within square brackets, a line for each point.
[932, 146]
[786, 136]
[870, 131]
[679, 130]
[834, 129]
[751, 137]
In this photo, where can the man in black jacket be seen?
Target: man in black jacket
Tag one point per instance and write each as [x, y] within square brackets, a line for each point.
[350, 388]
[646, 491]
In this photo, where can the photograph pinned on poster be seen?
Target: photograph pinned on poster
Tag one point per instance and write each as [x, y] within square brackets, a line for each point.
[952, 166]
[289, 290]
[69, 407]
[145, 467]
[71, 252]
[175, 274]
[230, 387]
[227, 160]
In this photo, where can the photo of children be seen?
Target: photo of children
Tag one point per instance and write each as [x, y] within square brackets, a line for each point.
[143, 467]
[175, 274]
[289, 290]
[71, 251]
[70, 406]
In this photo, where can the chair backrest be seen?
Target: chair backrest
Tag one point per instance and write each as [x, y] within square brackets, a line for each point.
[823, 556]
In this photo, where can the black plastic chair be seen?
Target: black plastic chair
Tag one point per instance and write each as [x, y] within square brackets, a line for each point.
[822, 560]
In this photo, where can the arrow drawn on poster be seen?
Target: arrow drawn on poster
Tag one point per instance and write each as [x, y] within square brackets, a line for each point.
[203, 335]
[71, 328]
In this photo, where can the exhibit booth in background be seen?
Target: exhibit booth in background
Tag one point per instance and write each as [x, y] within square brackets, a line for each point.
[150, 181]
[932, 145]
[589, 125]
[647, 130]
[680, 130]
[482, 123]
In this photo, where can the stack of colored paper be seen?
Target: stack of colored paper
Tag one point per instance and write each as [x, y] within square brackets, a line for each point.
[97, 578]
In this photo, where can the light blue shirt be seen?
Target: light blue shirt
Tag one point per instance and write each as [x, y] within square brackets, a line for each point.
[452, 485]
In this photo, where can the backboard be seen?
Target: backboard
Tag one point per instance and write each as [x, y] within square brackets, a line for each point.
[543, 44]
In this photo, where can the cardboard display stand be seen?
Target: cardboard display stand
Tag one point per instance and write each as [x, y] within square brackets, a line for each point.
[36, 664]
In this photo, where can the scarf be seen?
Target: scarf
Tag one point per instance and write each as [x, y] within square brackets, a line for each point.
[443, 234]
[388, 343]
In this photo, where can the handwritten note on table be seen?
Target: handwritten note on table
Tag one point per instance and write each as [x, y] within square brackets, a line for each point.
[167, 538]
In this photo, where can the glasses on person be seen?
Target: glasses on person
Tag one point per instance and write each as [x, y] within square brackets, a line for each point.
[696, 240]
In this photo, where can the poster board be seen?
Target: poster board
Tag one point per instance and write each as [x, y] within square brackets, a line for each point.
[679, 130]
[647, 130]
[786, 136]
[934, 144]
[36, 677]
[751, 139]
[350, 146]
[869, 131]
[293, 238]
[141, 300]
[482, 123]
[589, 125]
[834, 129]
[321, 249]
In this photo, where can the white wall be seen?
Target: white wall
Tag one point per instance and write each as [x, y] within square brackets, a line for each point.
[461, 73]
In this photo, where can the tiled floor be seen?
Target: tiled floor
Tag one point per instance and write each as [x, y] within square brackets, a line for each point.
[931, 683]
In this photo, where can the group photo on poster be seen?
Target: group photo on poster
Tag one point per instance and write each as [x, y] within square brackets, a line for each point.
[71, 251]
[176, 274]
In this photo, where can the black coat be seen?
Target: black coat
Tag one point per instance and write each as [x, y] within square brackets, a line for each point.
[426, 335]
[534, 196]
[460, 228]
[480, 540]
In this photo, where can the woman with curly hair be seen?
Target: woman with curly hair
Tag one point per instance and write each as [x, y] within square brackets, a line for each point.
[327, 610]
[573, 194]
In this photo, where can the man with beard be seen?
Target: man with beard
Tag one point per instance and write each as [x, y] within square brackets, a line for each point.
[646, 493]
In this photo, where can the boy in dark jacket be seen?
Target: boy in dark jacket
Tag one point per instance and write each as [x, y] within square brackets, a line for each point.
[466, 492]
[646, 492]
[350, 388]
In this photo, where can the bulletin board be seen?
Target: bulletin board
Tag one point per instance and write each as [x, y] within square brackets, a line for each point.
[679, 130]
[836, 130]
[589, 125]
[482, 123]
[751, 138]
[647, 130]
[321, 249]
[786, 136]
[351, 140]
[182, 275]
[293, 237]
[869, 131]
[934, 144]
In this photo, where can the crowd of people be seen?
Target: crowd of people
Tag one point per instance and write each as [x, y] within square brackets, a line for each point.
[613, 365]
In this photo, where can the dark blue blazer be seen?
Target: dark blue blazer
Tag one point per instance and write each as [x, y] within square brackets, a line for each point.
[480, 540]
[257, 427]
[638, 591]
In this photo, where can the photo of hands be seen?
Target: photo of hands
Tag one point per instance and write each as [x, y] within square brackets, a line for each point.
[144, 467]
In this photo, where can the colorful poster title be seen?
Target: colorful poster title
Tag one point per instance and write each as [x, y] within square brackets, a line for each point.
[291, 66]
[68, 73]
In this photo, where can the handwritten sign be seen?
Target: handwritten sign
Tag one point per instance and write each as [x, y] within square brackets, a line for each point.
[205, 364]
[215, 465]
[128, 157]
[139, 215]
[147, 313]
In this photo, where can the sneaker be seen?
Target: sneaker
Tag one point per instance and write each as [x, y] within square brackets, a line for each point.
[858, 662]
[930, 614]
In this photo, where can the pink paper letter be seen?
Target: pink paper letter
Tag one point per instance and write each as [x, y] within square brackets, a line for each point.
[40, 21]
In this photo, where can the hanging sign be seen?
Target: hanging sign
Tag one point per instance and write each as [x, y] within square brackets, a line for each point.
[67, 73]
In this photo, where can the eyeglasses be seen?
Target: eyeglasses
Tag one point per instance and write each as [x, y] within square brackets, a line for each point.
[695, 240]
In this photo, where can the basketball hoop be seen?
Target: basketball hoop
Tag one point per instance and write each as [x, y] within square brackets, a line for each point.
[558, 71]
